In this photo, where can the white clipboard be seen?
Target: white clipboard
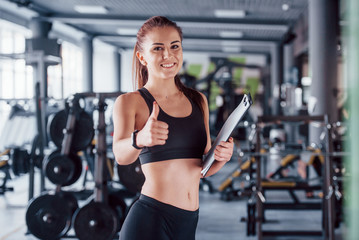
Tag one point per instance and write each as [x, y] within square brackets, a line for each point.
[226, 131]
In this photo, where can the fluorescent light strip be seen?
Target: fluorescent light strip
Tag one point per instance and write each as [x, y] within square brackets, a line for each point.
[234, 26]
[231, 49]
[127, 31]
[230, 34]
[224, 13]
[90, 9]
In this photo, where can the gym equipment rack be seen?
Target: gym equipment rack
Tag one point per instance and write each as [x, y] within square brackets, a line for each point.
[257, 203]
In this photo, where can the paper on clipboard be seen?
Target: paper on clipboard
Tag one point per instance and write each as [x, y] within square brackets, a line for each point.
[227, 130]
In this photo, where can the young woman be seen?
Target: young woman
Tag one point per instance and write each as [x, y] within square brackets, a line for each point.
[165, 124]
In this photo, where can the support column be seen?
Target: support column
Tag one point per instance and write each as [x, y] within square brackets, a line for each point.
[40, 30]
[352, 163]
[117, 59]
[35, 57]
[276, 77]
[288, 64]
[323, 22]
[266, 83]
[87, 61]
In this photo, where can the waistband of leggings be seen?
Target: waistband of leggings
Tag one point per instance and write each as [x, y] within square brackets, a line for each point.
[168, 208]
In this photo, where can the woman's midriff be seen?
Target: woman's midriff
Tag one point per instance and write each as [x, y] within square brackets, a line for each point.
[175, 182]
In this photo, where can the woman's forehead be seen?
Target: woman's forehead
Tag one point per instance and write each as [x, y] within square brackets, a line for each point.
[162, 35]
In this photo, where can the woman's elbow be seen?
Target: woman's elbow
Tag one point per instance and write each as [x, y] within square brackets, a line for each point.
[121, 157]
[118, 157]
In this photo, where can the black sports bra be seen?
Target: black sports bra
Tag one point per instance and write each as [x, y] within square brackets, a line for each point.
[187, 136]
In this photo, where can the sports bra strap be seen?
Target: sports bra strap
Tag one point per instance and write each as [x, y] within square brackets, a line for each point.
[149, 99]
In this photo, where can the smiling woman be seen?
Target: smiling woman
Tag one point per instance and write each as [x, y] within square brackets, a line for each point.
[163, 53]
[165, 125]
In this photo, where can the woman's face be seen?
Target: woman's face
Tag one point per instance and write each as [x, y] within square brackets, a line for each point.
[162, 53]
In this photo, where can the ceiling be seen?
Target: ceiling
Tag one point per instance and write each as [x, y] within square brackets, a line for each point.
[259, 25]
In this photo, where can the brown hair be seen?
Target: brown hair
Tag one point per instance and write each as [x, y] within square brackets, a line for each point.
[139, 71]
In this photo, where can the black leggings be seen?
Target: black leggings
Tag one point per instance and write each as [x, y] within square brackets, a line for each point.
[149, 219]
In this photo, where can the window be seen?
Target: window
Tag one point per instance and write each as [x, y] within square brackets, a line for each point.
[15, 77]
[70, 74]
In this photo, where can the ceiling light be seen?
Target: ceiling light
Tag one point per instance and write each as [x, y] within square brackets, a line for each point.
[223, 13]
[91, 9]
[230, 34]
[285, 7]
[127, 31]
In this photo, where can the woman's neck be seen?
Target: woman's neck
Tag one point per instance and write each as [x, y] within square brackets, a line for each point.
[162, 88]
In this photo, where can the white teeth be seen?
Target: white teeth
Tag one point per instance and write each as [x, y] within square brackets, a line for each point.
[167, 65]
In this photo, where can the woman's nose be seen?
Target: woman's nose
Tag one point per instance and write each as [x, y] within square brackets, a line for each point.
[166, 53]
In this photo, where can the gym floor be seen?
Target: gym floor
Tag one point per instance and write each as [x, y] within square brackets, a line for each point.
[218, 219]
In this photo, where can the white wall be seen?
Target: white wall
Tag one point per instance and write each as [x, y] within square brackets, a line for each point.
[104, 67]
[126, 71]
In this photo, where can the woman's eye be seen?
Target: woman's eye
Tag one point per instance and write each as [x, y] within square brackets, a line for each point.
[175, 46]
[157, 48]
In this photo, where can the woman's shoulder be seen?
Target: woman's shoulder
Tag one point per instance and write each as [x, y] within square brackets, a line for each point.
[130, 99]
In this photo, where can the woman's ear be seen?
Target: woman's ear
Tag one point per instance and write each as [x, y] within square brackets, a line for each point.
[140, 58]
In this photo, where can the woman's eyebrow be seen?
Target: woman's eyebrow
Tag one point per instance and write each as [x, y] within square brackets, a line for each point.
[177, 41]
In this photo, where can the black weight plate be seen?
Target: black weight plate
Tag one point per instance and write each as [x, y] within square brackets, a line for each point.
[71, 201]
[83, 132]
[20, 161]
[131, 176]
[56, 127]
[60, 169]
[53, 153]
[78, 168]
[95, 221]
[48, 217]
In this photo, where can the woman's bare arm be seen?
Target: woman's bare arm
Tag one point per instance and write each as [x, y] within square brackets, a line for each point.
[124, 113]
[126, 118]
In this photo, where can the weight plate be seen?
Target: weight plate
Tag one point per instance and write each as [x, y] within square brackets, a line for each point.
[48, 217]
[78, 168]
[56, 127]
[95, 221]
[71, 201]
[59, 169]
[83, 132]
[131, 176]
[63, 170]
[20, 161]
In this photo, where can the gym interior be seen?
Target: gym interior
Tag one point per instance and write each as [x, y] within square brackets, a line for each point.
[293, 174]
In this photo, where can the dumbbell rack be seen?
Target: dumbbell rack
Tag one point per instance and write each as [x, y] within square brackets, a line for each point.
[95, 220]
[89, 220]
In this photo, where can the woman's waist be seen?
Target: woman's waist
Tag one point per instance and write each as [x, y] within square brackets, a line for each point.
[169, 208]
[186, 200]
[175, 182]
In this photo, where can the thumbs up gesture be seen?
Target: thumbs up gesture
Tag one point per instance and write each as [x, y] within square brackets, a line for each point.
[154, 132]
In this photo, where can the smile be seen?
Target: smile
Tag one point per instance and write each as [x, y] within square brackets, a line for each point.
[168, 65]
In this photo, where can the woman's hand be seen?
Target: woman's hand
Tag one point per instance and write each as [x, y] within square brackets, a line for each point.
[154, 132]
[224, 150]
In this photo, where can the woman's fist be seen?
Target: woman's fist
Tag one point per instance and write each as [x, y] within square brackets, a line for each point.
[154, 132]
